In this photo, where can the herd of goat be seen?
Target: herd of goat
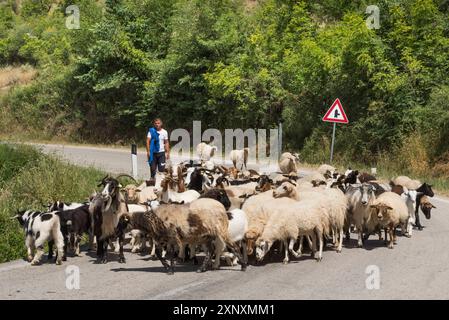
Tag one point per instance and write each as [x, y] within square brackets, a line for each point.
[230, 213]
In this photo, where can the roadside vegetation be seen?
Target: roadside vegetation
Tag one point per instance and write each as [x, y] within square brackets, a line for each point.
[29, 180]
[234, 64]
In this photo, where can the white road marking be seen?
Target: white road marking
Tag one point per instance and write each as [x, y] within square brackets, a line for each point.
[176, 291]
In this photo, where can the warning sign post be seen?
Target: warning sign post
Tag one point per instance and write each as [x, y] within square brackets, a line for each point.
[335, 114]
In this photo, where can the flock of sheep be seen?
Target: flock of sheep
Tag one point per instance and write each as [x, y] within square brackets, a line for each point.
[231, 213]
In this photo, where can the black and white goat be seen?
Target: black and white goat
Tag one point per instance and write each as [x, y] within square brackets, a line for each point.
[40, 227]
[106, 208]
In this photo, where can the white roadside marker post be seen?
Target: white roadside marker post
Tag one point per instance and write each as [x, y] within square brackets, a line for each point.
[134, 160]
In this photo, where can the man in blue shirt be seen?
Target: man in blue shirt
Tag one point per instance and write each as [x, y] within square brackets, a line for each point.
[158, 148]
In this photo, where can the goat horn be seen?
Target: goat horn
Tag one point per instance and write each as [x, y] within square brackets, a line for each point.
[125, 175]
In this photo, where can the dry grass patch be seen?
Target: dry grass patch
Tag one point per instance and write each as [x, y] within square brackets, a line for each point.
[11, 76]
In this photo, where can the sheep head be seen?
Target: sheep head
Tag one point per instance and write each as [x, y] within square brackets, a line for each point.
[262, 248]
[381, 210]
[131, 192]
[426, 206]
[286, 189]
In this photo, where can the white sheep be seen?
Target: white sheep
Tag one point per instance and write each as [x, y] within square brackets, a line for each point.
[238, 226]
[239, 157]
[315, 177]
[289, 220]
[205, 151]
[407, 182]
[390, 211]
[257, 218]
[326, 170]
[288, 163]
[334, 202]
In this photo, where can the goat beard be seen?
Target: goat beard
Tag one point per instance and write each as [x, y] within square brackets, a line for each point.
[108, 204]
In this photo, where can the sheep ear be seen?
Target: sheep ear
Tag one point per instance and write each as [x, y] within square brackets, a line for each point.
[389, 208]
[433, 206]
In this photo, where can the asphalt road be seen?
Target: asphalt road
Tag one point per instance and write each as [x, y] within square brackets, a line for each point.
[416, 268]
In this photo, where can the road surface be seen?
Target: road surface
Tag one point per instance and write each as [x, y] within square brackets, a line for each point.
[416, 268]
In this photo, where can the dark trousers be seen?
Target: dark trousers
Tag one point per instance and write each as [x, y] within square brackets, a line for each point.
[158, 163]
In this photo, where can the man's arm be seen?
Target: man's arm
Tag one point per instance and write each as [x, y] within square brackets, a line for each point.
[148, 147]
[167, 149]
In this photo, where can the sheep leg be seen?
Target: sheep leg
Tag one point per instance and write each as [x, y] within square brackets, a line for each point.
[290, 247]
[379, 232]
[301, 243]
[245, 253]
[181, 253]
[207, 258]
[152, 247]
[171, 252]
[286, 248]
[334, 237]
[133, 243]
[391, 233]
[143, 244]
[320, 241]
[340, 241]
[312, 238]
[219, 246]
[192, 255]
[394, 234]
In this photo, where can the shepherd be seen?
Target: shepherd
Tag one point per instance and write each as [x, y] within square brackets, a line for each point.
[158, 148]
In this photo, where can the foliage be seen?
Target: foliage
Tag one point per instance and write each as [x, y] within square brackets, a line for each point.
[230, 65]
[29, 179]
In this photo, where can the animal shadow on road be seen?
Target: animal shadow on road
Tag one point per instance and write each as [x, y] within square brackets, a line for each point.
[179, 267]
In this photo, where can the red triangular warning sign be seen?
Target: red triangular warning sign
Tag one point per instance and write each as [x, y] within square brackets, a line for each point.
[336, 113]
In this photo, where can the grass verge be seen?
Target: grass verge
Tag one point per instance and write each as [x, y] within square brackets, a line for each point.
[29, 179]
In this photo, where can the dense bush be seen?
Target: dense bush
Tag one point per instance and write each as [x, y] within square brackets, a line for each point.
[232, 64]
